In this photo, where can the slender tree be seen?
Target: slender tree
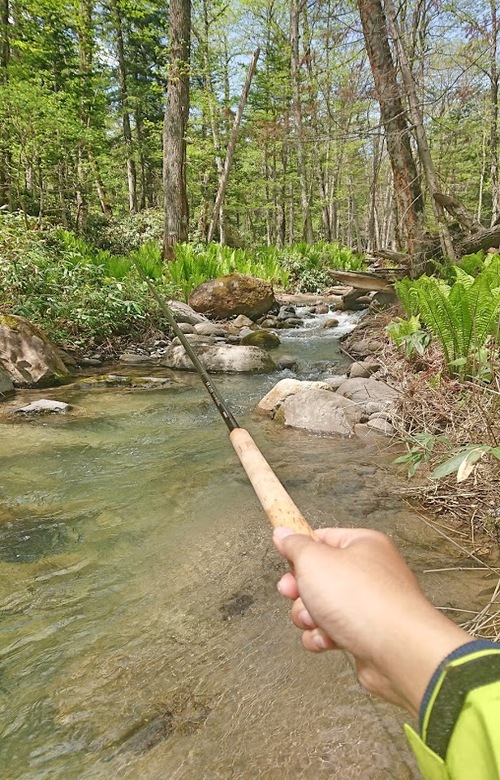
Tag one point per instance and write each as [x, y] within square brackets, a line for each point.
[117, 17]
[174, 127]
[296, 9]
[5, 189]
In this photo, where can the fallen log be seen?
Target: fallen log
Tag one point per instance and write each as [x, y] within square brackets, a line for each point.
[488, 237]
[362, 281]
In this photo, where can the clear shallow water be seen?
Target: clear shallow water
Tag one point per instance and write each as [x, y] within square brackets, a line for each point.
[141, 635]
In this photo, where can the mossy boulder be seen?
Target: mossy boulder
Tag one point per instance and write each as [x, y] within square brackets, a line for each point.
[265, 339]
[231, 295]
[27, 355]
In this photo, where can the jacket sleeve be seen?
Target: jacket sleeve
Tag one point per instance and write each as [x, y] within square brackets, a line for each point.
[459, 735]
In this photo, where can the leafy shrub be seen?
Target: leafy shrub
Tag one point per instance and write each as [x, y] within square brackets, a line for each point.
[463, 316]
[121, 234]
[408, 335]
[58, 281]
[309, 264]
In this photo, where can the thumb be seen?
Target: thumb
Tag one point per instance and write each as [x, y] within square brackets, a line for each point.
[289, 543]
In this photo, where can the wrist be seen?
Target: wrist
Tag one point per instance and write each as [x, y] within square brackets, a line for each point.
[417, 651]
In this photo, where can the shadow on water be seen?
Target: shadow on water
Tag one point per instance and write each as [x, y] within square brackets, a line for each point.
[141, 635]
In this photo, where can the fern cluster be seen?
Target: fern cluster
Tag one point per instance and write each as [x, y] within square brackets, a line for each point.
[463, 315]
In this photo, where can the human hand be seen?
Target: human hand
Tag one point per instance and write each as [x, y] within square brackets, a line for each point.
[353, 591]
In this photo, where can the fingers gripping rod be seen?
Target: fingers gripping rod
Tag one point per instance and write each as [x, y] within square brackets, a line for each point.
[277, 504]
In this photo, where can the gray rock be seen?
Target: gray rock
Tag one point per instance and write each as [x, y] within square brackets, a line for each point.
[66, 358]
[89, 361]
[195, 339]
[209, 329]
[381, 416]
[286, 361]
[132, 359]
[363, 370]
[331, 322]
[220, 358]
[186, 327]
[44, 406]
[381, 425]
[363, 391]
[184, 313]
[283, 390]
[241, 321]
[334, 382]
[365, 347]
[319, 411]
[291, 322]
[269, 322]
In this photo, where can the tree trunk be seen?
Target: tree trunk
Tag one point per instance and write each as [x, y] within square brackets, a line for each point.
[5, 160]
[421, 136]
[174, 128]
[406, 182]
[495, 183]
[295, 10]
[126, 125]
[212, 102]
[100, 188]
[84, 10]
[231, 146]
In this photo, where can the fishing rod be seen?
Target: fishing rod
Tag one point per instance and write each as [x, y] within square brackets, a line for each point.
[277, 504]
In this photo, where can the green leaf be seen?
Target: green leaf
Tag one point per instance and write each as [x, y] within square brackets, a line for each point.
[460, 462]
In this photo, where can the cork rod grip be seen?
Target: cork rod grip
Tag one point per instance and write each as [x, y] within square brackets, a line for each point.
[275, 501]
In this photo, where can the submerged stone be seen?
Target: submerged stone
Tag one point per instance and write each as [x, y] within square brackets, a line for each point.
[44, 406]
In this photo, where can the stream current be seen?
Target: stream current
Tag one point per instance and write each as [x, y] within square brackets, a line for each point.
[141, 634]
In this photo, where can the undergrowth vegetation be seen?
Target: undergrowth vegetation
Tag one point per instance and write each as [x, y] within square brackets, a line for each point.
[65, 285]
[461, 313]
[82, 291]
[445, 356]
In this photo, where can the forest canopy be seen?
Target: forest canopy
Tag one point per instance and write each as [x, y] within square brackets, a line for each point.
[83, 90]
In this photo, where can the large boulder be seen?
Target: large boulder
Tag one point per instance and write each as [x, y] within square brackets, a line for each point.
[27, 355]
[220, 358]
[234, 294]
[319, 411]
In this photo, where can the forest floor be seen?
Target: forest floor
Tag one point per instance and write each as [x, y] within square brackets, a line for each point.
[437, 415]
